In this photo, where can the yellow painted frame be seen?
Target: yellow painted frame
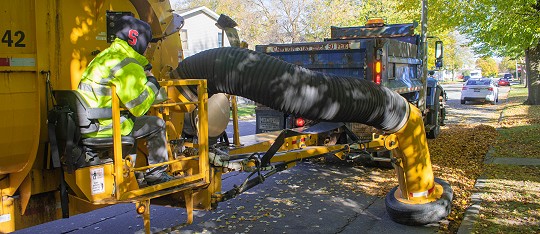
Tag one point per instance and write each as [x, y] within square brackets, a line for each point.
[123, 193]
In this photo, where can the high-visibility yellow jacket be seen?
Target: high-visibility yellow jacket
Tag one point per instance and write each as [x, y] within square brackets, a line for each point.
[122, 66]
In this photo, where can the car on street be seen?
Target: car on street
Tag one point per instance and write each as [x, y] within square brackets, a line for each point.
[508, 76]
[484, 90]
[504, 82]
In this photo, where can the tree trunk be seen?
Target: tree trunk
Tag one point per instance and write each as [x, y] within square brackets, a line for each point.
[532, 61]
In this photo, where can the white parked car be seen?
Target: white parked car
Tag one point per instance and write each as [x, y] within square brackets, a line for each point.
[484, 90]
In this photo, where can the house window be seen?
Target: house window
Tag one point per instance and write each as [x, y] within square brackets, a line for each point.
[184, 39]
[220, 39]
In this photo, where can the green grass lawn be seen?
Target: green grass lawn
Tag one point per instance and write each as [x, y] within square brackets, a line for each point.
[245, 111]
[511, 202]
[520, 127]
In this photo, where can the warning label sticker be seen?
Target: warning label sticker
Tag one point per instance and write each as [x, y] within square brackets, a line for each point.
[5, 218]
[97, 180]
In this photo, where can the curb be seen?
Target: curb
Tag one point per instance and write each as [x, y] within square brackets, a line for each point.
[472, 212]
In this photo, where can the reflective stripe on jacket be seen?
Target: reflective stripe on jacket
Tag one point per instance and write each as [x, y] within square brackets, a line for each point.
[122, 66]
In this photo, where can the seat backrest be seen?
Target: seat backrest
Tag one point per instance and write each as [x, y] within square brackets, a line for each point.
[86, 116]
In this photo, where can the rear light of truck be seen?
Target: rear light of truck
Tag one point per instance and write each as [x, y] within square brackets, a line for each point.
[299, 122]
[378, 69]
[490, 88]
[377, 79]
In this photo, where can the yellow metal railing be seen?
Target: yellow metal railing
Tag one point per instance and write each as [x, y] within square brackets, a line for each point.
[202, 175]
[236, 132]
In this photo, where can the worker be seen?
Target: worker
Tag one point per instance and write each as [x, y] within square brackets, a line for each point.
[431, 74]
[124, 65]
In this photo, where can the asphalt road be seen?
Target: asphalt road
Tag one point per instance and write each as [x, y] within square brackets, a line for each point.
[245, 127]
[471, 112]
[304, 199]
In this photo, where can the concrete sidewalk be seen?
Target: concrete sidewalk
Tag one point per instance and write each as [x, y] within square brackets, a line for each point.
[482, 185]
[473, 211]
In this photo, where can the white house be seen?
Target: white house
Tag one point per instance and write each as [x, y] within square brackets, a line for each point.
[200, 31]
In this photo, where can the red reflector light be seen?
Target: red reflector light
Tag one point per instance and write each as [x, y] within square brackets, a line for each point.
[299, 122]
[378, 79]
[490, 88]
[464, 88]
[378, 69]
[4, 61]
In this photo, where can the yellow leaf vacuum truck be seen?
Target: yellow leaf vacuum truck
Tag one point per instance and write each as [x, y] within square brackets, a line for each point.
[53, 166]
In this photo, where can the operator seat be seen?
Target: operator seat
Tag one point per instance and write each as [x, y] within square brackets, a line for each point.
[86, 121]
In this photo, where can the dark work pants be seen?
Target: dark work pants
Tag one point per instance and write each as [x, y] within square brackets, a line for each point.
[152, 128]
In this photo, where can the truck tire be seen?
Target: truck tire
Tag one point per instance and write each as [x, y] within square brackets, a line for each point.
[434, 116]
[420, 214]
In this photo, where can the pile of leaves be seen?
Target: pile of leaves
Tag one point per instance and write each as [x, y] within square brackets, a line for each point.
[517, 114]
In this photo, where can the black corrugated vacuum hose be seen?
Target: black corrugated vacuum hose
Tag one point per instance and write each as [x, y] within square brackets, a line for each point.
[296, 90]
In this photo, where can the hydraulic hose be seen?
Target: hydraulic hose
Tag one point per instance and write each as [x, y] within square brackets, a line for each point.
[296, 90]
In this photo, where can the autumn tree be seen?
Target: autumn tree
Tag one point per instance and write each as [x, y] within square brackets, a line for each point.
[288, 15]
[323, 14]
[456, 52]
[507, 65]
[261, 21]
[252, 28]
[456, 49]
[488, 65]
[507, 28]
[389, 10]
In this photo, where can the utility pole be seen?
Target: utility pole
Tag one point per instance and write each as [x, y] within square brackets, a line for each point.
[423, 51]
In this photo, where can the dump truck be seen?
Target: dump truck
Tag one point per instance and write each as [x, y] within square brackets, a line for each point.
[46, 172]
[389, 55]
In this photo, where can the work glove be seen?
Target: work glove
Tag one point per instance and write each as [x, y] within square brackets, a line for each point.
[148, 67]
[161, 96]
[153, 80]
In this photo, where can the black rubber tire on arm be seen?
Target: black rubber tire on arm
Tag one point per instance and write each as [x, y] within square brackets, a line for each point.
[420, 214]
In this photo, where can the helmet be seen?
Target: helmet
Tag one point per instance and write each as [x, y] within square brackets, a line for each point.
[135, 32]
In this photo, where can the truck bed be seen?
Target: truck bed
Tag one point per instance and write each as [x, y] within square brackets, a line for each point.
[355, 58]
